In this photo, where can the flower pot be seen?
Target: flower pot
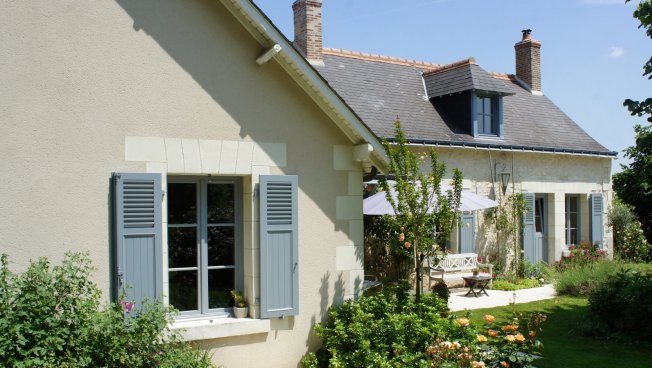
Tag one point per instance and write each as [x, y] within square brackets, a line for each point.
[240, 312]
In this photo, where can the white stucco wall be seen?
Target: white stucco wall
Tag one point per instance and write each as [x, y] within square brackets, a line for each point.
[170, 87]
[551, 175]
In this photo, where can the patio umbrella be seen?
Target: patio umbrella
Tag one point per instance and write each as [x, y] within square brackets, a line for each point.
[377, 204]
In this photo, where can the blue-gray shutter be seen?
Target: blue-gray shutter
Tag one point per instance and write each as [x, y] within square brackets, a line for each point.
[138, 224]
[467, 232]
[529, 229]
[279, 247]
[597, 218]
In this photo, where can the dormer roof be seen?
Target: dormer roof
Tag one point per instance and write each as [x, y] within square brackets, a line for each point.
[461, 76]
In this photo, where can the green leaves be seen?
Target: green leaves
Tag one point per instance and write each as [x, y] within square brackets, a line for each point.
[51, 317]
[420, 206]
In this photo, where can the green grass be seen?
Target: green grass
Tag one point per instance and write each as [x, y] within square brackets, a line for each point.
[564, 345]
[518, 285]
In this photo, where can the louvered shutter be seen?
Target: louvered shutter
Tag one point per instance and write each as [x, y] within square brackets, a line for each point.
[597, 218]
[279, 258]
[529, 229]
[138, 224]
[467, 232]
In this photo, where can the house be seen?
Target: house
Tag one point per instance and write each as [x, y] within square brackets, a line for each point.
[500, 129]
[191, 150]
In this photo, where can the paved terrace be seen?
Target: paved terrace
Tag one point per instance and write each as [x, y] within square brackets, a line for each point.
[458, 301]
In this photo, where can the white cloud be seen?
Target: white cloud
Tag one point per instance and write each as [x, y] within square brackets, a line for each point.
[603, 2]
[616, 52]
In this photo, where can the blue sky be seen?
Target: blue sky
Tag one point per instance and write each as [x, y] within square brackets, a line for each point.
[592, 55]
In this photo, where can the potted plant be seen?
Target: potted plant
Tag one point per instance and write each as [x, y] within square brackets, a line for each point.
[240, 306]
[475, 272]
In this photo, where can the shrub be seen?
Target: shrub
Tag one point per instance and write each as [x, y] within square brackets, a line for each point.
[390, 330]
[50, 317]
[538, 271]
[630, 243]
[582, 278]
[441, 290]
[583, 254]
[623, 304]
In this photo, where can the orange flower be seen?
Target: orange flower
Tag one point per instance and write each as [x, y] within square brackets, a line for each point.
[504, 364]
[508, 328]
[519, 338]
[489, 318]
[510, 338]
[477, 364]
[407, 245]
[492, 333]
[401, 237]
[481, 338]
[463, 321]
[532, 334]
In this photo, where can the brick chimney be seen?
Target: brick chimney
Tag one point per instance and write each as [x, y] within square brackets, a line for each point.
[307, 29]
[528, 61]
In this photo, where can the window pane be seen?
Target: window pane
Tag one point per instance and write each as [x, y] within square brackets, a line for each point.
[183, 290]
[487, 105]
[487, 124]
[220, 283]
[573, 204]
[221, 246]
[182, 203]
[221, 203]
[182, 247]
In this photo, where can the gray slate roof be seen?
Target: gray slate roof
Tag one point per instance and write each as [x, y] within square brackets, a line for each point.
[464, 76]
[380, 91]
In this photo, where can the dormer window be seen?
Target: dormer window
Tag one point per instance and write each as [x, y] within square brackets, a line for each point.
[486, 114]
[468, 98]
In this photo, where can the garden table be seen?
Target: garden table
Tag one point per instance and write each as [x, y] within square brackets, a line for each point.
[477, 282]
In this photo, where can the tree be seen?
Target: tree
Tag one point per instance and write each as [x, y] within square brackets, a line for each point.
[634, 184]
[420, 206]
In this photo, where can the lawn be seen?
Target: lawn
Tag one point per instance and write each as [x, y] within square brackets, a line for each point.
[564, 346]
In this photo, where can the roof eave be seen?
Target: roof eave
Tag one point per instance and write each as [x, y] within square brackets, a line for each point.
[264, 31]
[514, 148]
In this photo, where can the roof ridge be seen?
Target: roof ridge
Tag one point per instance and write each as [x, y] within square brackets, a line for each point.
[504, 76]
[379, 58]
[453, 65]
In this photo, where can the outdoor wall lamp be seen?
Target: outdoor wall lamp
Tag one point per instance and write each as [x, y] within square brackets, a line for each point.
[504, 177]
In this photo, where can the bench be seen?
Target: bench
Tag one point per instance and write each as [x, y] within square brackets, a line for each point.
[456, 266]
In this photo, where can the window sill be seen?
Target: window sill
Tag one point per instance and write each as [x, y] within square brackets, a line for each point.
[206, 329]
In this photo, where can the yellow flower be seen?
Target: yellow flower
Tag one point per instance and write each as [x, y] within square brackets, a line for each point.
[504, 364]
[477, 364]
[510, 338]
[463, 322]
[489, 318]
[519, 338]
[492, 333]
[481, 338]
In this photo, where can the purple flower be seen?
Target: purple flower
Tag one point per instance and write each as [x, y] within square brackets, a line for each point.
[127, 305]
